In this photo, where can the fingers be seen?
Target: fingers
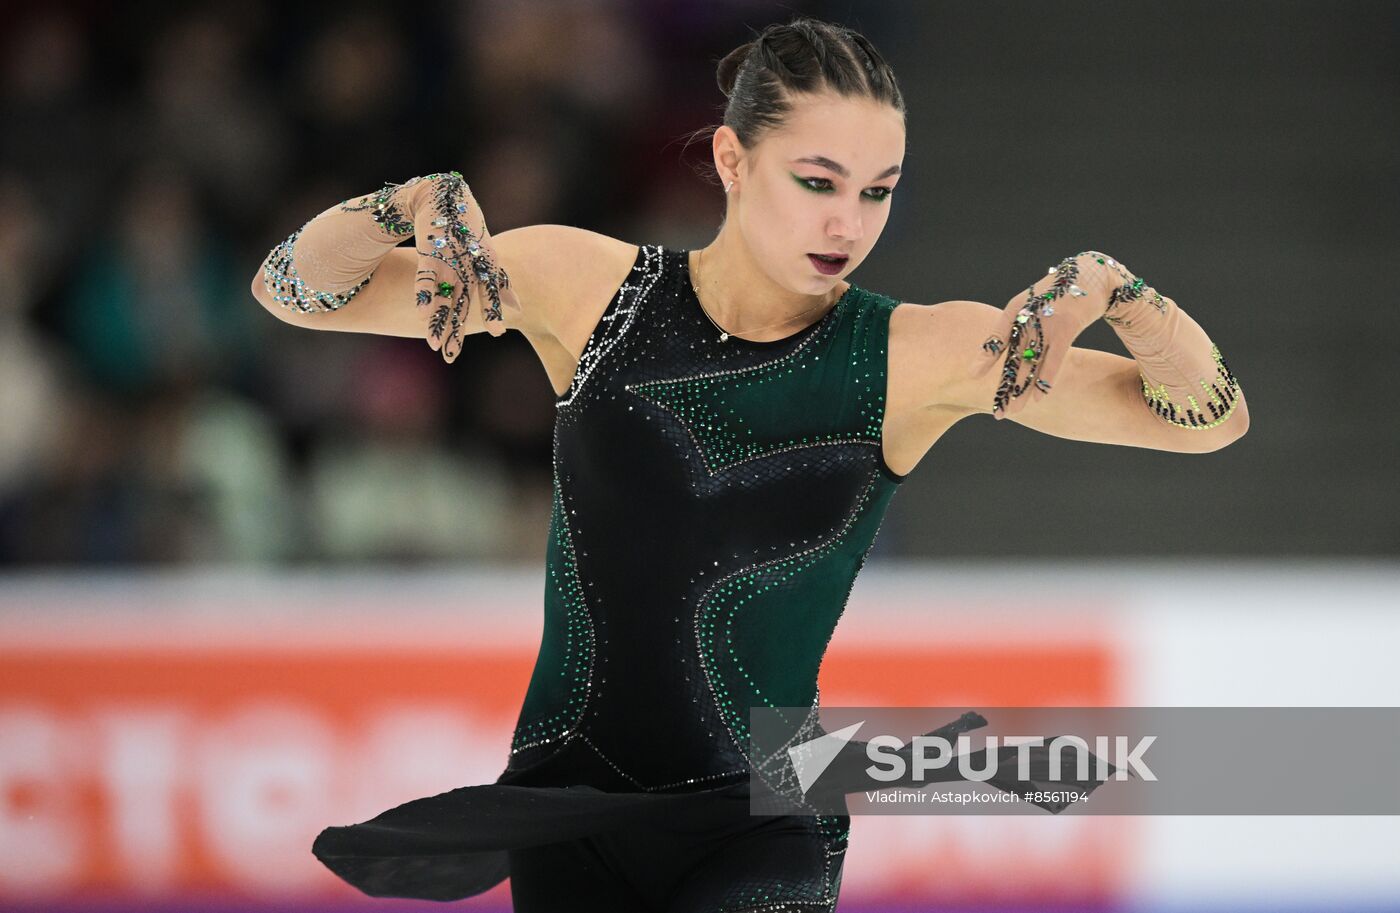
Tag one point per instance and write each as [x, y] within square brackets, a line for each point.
[444, 292]
[457, 280]
[443, 280]
[1033, 352]
[1033, 363]
[500, 308]
[433, 295]
[494, 317]
[1037, 372]
[510, 311]
[452, 345]
[1039, 338]
[455, 293]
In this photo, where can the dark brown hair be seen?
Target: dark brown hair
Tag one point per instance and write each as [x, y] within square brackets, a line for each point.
[802, 56]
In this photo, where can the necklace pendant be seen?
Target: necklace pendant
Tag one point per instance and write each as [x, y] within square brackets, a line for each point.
[723, 337]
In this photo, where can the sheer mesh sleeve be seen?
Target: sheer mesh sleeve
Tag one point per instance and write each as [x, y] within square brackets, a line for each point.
[324, 264]
[1184, 377]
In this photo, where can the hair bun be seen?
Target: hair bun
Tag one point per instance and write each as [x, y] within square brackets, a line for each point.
[728, 70]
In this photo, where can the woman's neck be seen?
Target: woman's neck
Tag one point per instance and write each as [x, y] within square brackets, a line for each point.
[741, 297]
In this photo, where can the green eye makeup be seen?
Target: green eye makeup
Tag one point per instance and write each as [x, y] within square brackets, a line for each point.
[883, 194]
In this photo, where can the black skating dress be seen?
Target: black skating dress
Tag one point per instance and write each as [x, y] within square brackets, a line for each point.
[713, 502]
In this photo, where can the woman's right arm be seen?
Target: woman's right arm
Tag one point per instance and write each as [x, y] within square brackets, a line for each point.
[343, 270]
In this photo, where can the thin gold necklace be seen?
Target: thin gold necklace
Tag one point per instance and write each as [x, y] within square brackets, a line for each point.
[724, 334]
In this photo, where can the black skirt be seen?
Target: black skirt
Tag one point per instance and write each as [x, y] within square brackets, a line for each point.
[456, 844]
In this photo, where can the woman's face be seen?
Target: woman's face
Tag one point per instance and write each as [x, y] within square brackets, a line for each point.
[821, 184]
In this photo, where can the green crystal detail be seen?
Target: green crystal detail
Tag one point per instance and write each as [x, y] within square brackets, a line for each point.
[741, 415]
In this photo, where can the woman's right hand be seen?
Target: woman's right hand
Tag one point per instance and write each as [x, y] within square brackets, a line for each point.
[459, 286]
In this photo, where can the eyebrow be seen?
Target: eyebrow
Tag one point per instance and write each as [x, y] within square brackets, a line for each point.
[842, 169]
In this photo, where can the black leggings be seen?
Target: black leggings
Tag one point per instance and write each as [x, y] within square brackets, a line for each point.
[724, 860]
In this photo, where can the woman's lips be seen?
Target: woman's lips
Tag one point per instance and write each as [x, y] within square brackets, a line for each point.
[827, 267]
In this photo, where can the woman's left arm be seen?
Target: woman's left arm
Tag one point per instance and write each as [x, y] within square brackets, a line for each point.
[1176, 392]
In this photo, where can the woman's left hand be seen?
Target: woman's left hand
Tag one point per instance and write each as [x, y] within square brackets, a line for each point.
[1044, 320]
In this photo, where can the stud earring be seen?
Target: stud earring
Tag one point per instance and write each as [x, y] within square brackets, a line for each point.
[727, 186]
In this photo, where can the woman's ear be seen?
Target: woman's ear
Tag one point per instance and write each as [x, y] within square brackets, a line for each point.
[728, 153]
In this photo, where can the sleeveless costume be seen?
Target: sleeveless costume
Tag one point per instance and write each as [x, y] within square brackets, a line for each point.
[713, 503]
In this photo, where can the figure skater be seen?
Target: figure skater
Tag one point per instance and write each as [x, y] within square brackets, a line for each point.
[732, 423]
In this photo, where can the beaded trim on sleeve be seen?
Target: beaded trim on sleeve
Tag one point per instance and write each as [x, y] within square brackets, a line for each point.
[289, 290]
[1222, 394]
[286, 286]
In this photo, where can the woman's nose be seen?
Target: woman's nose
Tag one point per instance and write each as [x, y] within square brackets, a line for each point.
[845, 226]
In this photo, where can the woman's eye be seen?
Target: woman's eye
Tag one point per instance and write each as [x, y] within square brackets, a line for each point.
[823, 185]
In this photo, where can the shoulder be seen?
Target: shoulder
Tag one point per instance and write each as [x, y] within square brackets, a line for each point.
[563, 275]
[937, 354]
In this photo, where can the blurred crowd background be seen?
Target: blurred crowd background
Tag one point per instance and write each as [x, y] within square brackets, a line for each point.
[152, 412]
